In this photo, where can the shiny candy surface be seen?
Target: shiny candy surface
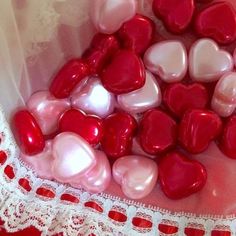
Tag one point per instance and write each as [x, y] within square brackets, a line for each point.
[47, 109]
[210, 23]
[68, 77]
[124, 74]
[41, 163]
[137, 175]
[157, 132]
[198, 128]
[207, 62]
[181, 176]
[168, 59]
[180, 97]
[137, 33]
[98, 179]
[109, 15]
[93, 98]
[140, 100]
[88, 127]
[176, 14]
[119, 130]
[73, 157]
[27, 133]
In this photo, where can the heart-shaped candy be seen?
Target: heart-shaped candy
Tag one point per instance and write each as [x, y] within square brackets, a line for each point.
[109, 15]
[42, 162]
[181, 176]
[68, 77]
[157, 132]
[137, 175]
[180, 97]
[210, 23]
[224, 97]
[73, 157]
[137, 33]
[47, 109]
[168, 59]
[93, 98]
[98, 179]
[228, 138]
[27, 133]
[140, 100]
[124, 74]
[207, 62]
[176, 14]
[198, 128]
[119, 130]
[88, 127]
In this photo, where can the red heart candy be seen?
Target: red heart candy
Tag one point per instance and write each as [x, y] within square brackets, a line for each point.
[176, 14]
[27, 133]
[124, 74]
[137, 34]
[198, 128]
[119, 130]
[158, 132]
[228, 139]
[180, 176]
[88, 127]
[180, 97]
[102, 48]
[218, 21]
[68, 77]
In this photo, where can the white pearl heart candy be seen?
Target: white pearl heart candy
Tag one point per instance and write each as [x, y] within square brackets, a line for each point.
[207, 62]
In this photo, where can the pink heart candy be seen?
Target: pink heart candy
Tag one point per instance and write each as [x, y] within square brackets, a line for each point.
[140, 100]
[109, 15]
[93, 98]
[224, 97]
[168, 59]
[137, 175]
[207, 62]
[47, 109]
[42, 162]
[73, 157]
[98, 179]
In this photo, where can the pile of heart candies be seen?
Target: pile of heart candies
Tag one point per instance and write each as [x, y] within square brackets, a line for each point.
[136, 108]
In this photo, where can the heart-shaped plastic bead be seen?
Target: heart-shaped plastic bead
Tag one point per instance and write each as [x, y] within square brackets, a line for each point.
[137, 175]
[180, 176]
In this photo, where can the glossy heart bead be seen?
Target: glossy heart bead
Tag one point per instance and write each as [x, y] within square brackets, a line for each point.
[119, 130]
[68, 77]
[41, 163]
[210, 23]
[157, 132]
[227, 142]
[124, 74]
[140, 100]
[109, 15]
[176, 14]
[137, 175]
[93, 98]
[180, 176]
[224, 97]
[47, 109]
[88, 127]
[207, 62]
[101, 50]
[198, 128]
[137, 34]
[168, 59]
[73, 157]
[180, 97]
[98, 179]
[27, 133]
